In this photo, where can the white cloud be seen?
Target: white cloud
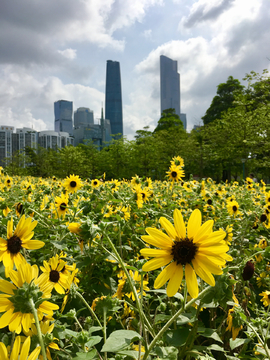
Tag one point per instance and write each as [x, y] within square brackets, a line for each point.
[69, 53]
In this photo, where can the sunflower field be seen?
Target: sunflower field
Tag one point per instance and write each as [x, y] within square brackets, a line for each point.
[134, 269]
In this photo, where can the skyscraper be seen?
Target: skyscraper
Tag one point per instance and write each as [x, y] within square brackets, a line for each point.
[113, 97]
[83, 116]
[63, 116]
[169, 85]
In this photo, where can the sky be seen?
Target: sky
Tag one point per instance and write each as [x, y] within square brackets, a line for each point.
[54, 50]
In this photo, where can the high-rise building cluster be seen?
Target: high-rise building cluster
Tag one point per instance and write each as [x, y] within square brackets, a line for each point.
[84, 129]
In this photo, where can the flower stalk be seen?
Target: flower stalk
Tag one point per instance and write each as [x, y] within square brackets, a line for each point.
[34, 312]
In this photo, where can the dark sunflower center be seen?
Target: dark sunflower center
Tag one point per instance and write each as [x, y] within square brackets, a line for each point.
[268, 296]
[63, 206]
[14, 244]
[234, 208]
[19, 208]
[263, 218]
[73, 184]
[8, 181]
[54, 276]
[174, 174]
[209, 202]
[143, 195]
[184, 251]
[95, 183]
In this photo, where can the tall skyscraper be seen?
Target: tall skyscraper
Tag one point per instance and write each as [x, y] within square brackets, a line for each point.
[169, 85]
[113, 97]
[63, 116]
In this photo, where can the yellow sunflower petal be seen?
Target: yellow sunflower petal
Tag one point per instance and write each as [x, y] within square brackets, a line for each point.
[19, 260]
[157, 238]
[54, 346]
[155, 252]
[165, 275]
[175, 281]
[59, 288]
[194, 223]
[33, 244]
[191, 280]
[7, 287]
[27, 321]
[214, 238]
[204, 231]
[214, 250]
[5, 304]
[25, 349]
[16, 348]
[10, 228]
[204, 275]
[34, 354]
[156, 263]
[16, 323]
[207, 265]
[169, 228]
[8, 260]
[179, 224]
[3, 352]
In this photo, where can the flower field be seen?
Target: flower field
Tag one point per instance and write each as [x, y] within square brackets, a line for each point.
[138, 269]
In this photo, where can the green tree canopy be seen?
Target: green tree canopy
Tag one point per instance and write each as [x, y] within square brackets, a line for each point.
[226, 93]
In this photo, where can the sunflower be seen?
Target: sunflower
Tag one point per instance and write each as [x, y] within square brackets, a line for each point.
[72, 183]
[8, 182]
[233, 207]
[53, 274]
[95, 183]
[234, 322]
[16, 297]
[178, 161]
[21, 238]
[19, 208]
[61, 204]
[197, 249]
[19, 352]
[175, 173]
[266, 297]
[46, 329]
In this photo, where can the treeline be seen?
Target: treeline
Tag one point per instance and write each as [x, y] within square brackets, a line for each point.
[233, 143]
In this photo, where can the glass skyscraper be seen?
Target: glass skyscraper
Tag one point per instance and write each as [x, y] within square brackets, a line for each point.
[63, 116]
[113, 97]
[169, 85]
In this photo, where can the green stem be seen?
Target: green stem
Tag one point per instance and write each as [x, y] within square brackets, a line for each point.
[105, 329]
[143, 318]
[173, 318]
[34, 312]
[89, 308]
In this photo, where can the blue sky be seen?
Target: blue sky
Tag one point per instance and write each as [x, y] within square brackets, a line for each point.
[57, 49]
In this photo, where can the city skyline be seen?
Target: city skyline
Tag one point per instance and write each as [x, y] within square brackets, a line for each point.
[58, 50]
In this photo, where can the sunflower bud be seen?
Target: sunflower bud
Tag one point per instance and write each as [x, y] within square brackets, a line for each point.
[248, 271]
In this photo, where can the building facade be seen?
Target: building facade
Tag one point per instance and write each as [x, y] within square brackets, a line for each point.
[5, 143]
[170, 87]
[63, 111]
[83, 117]
[49, 139]
[113, 97]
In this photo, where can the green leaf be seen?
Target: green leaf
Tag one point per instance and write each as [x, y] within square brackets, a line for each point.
[238, 342]
[162, 318]
[215, 347]
[131, 353]
[86, 356]
[71, 333]
[93, 340]
[120, 340]
[168, 353]
[209, 333]
[177, 337]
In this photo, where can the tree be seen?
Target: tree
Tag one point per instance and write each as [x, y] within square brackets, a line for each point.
[226, 93]
[169, 119]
